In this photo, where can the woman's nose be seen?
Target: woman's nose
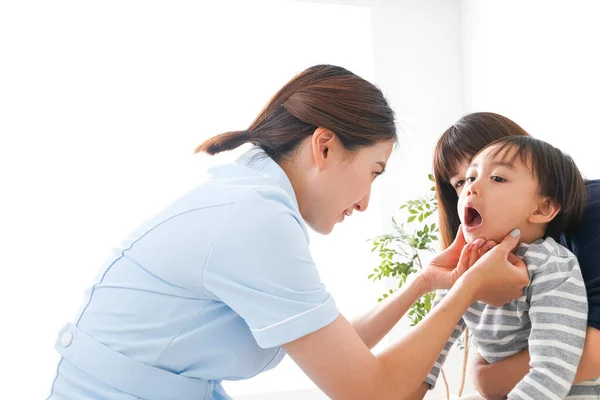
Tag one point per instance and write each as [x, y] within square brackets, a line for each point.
[363, 203]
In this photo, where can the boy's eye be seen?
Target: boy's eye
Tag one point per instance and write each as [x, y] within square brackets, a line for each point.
[470, 179]
[376, 174]
[498, 179]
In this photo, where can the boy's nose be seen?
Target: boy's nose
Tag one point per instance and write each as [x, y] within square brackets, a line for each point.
[474, 189]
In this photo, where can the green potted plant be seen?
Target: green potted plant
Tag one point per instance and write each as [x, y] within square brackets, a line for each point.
[400, 253]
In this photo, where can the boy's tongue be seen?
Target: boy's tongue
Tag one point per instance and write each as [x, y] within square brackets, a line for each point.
[472, 217]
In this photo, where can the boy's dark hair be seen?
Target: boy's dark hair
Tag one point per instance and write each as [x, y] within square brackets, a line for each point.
[459, 144]
[557, 175]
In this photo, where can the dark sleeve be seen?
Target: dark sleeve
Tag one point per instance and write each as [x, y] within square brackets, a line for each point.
[583, 239]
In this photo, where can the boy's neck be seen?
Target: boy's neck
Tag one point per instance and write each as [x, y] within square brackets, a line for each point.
[532, 233]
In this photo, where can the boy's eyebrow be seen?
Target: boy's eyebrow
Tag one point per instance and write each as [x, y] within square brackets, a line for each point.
[496, 164]
[382, 166]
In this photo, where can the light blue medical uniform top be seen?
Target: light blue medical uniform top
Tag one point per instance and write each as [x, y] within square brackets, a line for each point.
[207, 290]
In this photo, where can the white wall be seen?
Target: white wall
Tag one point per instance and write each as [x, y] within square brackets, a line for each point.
[102, 105]
[417, 49]
[538, 63]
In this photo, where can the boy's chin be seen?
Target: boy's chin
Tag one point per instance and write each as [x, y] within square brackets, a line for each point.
[471, 236]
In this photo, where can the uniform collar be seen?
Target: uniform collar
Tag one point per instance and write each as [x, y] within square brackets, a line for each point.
[258, 160]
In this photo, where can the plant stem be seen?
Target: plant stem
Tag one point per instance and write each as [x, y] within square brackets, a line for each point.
[465, 359]
[419, 261]
[446, 384]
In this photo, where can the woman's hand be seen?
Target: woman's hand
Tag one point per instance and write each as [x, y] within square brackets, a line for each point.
[450, 264]
[498, 276]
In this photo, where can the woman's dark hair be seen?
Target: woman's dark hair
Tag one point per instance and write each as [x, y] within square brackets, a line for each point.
[324, 96]
[467, 137]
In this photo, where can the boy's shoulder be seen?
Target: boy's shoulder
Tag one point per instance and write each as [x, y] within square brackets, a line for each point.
[547, 246]
[547, 251]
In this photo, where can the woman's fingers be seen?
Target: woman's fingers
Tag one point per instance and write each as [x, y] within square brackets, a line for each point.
[475, 251]
[516, 261]
[487, 246]
[463, 262]
[510, 241]
[459, 241]
[499, 274]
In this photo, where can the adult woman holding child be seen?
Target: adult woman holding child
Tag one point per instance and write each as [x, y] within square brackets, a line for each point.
[453, 153]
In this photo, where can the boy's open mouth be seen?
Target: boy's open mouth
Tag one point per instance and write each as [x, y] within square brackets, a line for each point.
[472, 217]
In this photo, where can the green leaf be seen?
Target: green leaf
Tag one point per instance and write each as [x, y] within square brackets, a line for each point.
[413, 211]
[421, 218]
[411, 219]
[430, 176]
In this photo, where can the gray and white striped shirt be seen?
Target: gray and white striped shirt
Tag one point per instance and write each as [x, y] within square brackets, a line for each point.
[550, 319]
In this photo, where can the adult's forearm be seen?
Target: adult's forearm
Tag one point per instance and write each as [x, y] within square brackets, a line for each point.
[589, 365]
[415, 353]
[494, 381]
[374, 325]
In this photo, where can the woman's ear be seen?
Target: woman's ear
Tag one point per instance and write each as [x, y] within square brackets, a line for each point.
[545, 212]
[323, 142]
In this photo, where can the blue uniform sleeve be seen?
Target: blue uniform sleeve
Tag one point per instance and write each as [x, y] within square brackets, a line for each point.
[260, 266]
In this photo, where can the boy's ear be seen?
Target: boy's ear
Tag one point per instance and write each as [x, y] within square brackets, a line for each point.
[545, 212]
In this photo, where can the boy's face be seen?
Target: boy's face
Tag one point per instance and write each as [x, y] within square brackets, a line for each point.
[497, 196]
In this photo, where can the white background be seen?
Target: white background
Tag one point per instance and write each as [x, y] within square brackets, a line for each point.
[102, 104]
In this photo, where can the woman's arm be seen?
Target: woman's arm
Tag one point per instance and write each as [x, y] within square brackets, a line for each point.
[441, 273]
[495, 381]
[373, 326]
[339, 362]
[589, 366]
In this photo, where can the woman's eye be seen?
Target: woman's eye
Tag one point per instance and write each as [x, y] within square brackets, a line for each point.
[376, 174]
[498, 179]
[459, 183]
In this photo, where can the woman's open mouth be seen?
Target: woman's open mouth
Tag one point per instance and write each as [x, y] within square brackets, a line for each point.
[472, 217]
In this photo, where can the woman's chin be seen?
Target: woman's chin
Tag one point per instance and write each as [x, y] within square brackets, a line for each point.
[321, 228]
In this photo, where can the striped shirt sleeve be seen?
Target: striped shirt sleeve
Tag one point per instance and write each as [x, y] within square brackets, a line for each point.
[458, 330]
[558, 313]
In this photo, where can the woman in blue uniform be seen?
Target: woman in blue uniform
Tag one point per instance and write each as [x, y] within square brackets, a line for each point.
[221, 285]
